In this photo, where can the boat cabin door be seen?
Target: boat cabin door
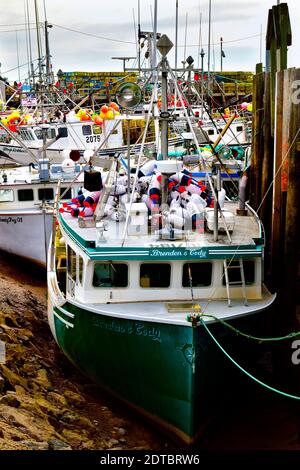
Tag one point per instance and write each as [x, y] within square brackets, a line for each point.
[75, 268]
[71, 271]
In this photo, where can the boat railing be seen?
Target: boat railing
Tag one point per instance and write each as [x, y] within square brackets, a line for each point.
[259, 222]
[55, 209]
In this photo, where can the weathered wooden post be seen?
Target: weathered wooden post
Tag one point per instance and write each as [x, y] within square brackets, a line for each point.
[291, 250]
[257, 137]
[267, 172]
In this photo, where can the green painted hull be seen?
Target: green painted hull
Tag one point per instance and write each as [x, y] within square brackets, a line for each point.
[173, 374]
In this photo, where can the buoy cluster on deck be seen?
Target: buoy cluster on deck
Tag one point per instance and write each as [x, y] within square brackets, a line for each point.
[186, 197]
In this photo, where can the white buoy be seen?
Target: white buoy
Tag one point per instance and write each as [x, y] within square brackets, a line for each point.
[87, 154]
[221, 197]
[68, 166]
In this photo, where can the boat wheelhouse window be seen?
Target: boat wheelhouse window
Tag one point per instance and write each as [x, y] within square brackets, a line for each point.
[239, 128]
[26, 135]
[234, 272]
[63, 132]
[46, 194]
[6, 195]
[197, 274]
[155, 275]
[25, 195]
[210, 132]
[71, 263]
[68, 194]
[80, 269]
[97, 130]
[86, 130]
[51, 133]
[39, 134]
[115, 132]
[110, 275]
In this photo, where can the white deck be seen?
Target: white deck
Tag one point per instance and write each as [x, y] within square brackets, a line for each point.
[158, 312]
[246, 229]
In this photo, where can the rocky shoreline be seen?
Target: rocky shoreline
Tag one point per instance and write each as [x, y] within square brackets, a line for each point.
[45, 403]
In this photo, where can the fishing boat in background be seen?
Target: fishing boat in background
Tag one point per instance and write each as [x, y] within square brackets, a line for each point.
[133, 287]
[26, 206]
[78, 132]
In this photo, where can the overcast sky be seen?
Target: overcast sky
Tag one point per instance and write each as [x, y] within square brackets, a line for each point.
[237, 21]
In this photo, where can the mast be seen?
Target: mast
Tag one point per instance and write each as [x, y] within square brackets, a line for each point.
[154, 74]
[29, 43]
[209, 41]
[139, 36]
[40, 86]
[185, 37]
[154, 60]
[222, 53]
[47, 49]
[164, 46]
[176, 50]
[38, 37]
[176, 36]
[48, 56]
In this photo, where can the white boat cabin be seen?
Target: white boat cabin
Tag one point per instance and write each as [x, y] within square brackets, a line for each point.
[149, 270]
[75, 135]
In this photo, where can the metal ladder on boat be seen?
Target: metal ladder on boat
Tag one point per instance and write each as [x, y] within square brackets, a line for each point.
[242, 282]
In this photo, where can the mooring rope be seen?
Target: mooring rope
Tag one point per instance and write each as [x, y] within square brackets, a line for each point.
[291, 335]
[269, 387]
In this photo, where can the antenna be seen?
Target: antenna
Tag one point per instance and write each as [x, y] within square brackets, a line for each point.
[154, 35]
[185, 35]
[176, 34]
[45, 14]
[26, 37]
[139, 35]
[135, 34]
[155, 74]
[200, 36]
[209, 40]
[18, 57]
[29, 41]
[38, 37]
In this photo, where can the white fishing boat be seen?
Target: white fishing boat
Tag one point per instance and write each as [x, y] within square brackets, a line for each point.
[26, 206]
[76, 138]
[136, 289]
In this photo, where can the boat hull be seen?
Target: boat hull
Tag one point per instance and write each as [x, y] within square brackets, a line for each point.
[26, 234]
[173, 374]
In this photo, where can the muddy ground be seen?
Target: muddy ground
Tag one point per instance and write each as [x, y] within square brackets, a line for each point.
[45, 403]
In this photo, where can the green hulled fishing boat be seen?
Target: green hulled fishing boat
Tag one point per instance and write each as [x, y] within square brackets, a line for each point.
[136, 287]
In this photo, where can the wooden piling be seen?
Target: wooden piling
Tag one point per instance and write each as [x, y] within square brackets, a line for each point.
[292, 223]
[277, 163]
[257, 140]
[267, 172]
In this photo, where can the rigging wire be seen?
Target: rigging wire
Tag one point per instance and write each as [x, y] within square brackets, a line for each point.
[134, 42]
[93, 35]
